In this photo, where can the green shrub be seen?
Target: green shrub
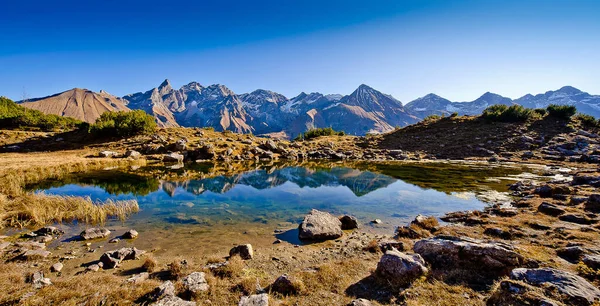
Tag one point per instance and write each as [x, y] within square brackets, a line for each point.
[432, 118]
[561, 111]
[123, 124]
[503, 113]
[454, 115]
[15, 116]
[314, 133]
[587, 120]
[540, 111]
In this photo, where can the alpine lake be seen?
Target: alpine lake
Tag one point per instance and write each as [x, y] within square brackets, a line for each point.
[209, 207]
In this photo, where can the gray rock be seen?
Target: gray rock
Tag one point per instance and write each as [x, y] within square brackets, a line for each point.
[112, 259]
[130, 234]
[49, 230]
[577, 290]
[550, 209]
[108, 154]
[510, 293]
[30, 245]
[243, 250]
[94, 233]
[43, 239]
[318, 225]
[578, 219]
[360, 302]
[57, 267]
[195, 282]
[284, 285]
[133, 154]
[255, 300]
[173, 301]
[400, 268]
[93, 268]
[164, 290]
[138, 278]
[172, 158]
[592, 261]
[39, 281]
[35, 254]
[446, 252]
[349, 222]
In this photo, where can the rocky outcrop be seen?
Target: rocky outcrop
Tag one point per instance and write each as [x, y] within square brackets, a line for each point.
[318, 225]
[574, 289]
[446, 252]
[400, 268]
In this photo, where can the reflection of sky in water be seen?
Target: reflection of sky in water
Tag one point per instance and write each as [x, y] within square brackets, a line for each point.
[363, 194]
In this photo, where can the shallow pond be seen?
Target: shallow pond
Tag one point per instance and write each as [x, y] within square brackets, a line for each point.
[219, 204]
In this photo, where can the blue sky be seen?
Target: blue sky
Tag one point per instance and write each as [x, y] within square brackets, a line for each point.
[458, 49]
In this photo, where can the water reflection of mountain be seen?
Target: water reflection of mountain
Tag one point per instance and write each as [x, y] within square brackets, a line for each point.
[359, 182]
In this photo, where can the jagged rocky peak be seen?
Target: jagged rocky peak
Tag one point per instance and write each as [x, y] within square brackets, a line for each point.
[192, 86]
[165, 87]
[260, 96]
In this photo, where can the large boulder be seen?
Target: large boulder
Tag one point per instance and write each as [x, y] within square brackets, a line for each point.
[94, 233]
[574, 289]
[319, 225]
[447, 252]
[255, 300]
[400, 268]
[112, 259]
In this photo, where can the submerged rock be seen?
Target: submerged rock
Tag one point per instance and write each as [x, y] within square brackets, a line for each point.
[94, 233]
[575, 289]
[400, 268]
[318, 225]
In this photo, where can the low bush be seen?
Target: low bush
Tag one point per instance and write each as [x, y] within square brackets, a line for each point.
[504, 113]
[561, 111]
[433, 118]
[123, 124]
[587, 120]
[318, 132]
[540, 111]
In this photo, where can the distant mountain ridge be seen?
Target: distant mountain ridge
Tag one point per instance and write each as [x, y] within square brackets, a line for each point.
[365, 110]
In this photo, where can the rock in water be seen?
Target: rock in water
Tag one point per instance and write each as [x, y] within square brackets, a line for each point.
[94, 233]
[446, 252]
[195, 283]
[400, 268]
[243, 250]
[349, 222]
[255, 300]
[173, 158]
[318, 225]
[130, 234]
[577, 290]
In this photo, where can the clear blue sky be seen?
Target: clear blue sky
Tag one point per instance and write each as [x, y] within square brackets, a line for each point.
[457, 49]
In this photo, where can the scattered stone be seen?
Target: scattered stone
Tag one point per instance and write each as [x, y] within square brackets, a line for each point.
[94, 233]
[376, 221]
[39, 281]
[577, 290]
[35, 254]
[243, 250]
[164, 290]
[112, 259]
[93, 268]
[550, 209]
[133, 154]
[56, 267]
[114, 240]
[49, 230]
[388, 245]
[578, 218]
[173, 301]
[138, 278]
[360, 302]
[43, 239]
[131, 234]
[592, 261]
[195, 283]
[108, 154]
[318, 225]
[172, 158]
[285, 285]
[400, 268]
[444, 252]
[255, 300]
[349, 222]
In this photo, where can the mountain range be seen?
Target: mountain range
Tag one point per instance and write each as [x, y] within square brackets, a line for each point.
[365, 110]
